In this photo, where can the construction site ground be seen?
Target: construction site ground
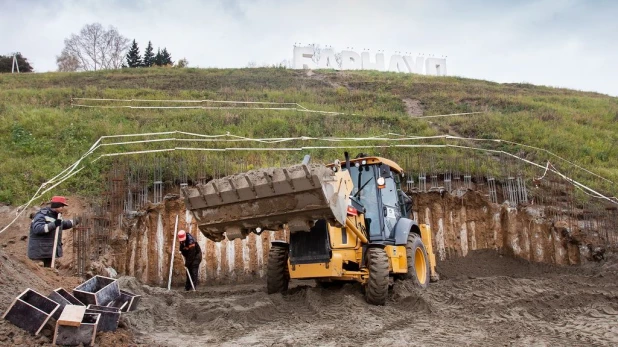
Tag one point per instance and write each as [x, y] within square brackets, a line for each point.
[485, 298]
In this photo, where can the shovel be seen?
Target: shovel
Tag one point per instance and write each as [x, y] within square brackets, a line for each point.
[188, 273]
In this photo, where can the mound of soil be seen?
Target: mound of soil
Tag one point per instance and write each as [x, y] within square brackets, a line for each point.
[489, 262]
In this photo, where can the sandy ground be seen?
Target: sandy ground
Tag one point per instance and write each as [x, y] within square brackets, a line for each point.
[484, 299]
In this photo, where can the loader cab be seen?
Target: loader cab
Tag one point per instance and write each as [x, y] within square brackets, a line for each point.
[377, 186]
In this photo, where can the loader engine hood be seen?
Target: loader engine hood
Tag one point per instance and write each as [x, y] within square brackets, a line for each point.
[236, 205]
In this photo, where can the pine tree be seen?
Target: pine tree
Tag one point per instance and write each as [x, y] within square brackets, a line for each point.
[158, 59]
[166, 58]
[133, 57]
[148, 56]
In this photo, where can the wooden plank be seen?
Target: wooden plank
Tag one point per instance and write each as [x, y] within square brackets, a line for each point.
[72, 315]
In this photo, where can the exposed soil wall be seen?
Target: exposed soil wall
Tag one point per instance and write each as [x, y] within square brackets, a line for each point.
[470, 222]
[143, 248]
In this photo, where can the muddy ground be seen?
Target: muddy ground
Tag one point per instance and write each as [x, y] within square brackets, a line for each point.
[484, 299]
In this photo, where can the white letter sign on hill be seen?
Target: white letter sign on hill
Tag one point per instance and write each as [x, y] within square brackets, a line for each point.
[309, 57]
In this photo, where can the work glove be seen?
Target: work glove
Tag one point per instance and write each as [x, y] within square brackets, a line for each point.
[58, 222]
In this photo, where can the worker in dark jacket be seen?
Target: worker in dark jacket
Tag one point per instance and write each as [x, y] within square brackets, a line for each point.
[192, 253]
[43, 231]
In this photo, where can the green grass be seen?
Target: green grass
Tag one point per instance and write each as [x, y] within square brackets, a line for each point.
[41, 134]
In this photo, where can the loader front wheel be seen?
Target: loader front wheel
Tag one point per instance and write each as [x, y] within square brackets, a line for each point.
[278, 275]
[376, 289]
[418, 261]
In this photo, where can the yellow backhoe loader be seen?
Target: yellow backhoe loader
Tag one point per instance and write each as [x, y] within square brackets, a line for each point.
[347, 221]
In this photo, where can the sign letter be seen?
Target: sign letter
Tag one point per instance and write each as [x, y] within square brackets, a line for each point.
[302, 58]
[350, 61]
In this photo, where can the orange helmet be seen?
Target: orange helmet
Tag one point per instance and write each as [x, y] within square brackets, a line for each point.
[60, 199]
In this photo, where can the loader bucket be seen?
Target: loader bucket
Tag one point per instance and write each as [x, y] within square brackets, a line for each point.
[236, 205]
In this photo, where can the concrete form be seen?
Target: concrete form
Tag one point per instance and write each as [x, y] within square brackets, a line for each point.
[125, 302]
[110, 316]
[84, 334]
[63, 298]
[98, 290]
[30, 311]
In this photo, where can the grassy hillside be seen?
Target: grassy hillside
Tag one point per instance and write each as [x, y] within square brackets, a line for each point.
[41, 134]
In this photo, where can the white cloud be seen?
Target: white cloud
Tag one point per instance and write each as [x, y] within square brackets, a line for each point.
[560, 43]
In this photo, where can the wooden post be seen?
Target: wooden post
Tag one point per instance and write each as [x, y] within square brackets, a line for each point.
[53, 263]
[169, 282]
[14, 64]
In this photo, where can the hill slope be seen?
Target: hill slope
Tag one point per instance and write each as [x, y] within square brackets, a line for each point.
[41, 132]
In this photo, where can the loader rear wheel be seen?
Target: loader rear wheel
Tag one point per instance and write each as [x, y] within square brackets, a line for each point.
[418, 261]
[376, 289]
[278, 275]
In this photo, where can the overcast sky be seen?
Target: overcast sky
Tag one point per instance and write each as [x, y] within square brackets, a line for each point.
[564, 43]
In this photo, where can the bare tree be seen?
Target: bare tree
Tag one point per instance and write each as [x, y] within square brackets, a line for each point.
[182, 63]
[67, 62]
[96, 48]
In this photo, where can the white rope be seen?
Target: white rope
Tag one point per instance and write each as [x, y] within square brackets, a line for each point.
[544, 173]
[70, 170]
[533, 147]
[298, 107]
[193, 107]
[191, 101]
[373, 138]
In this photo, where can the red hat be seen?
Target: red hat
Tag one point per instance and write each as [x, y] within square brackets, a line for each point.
[182, 235]
[60, 199]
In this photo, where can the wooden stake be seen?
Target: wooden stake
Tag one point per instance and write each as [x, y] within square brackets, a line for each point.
[53, 263]
[169, 282]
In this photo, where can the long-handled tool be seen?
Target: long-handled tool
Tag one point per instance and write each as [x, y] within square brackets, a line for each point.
[169, 282]
[53, 263]
[188, 273]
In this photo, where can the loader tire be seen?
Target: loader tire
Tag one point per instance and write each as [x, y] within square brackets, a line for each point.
[418, 261]
[376, 289]
[278, 275]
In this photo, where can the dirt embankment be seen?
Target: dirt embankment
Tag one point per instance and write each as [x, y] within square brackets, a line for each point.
[18, 273]
[486, 298]
[459, 224]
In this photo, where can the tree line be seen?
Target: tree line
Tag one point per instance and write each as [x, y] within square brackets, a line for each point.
[162, 58]
[98, 48]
